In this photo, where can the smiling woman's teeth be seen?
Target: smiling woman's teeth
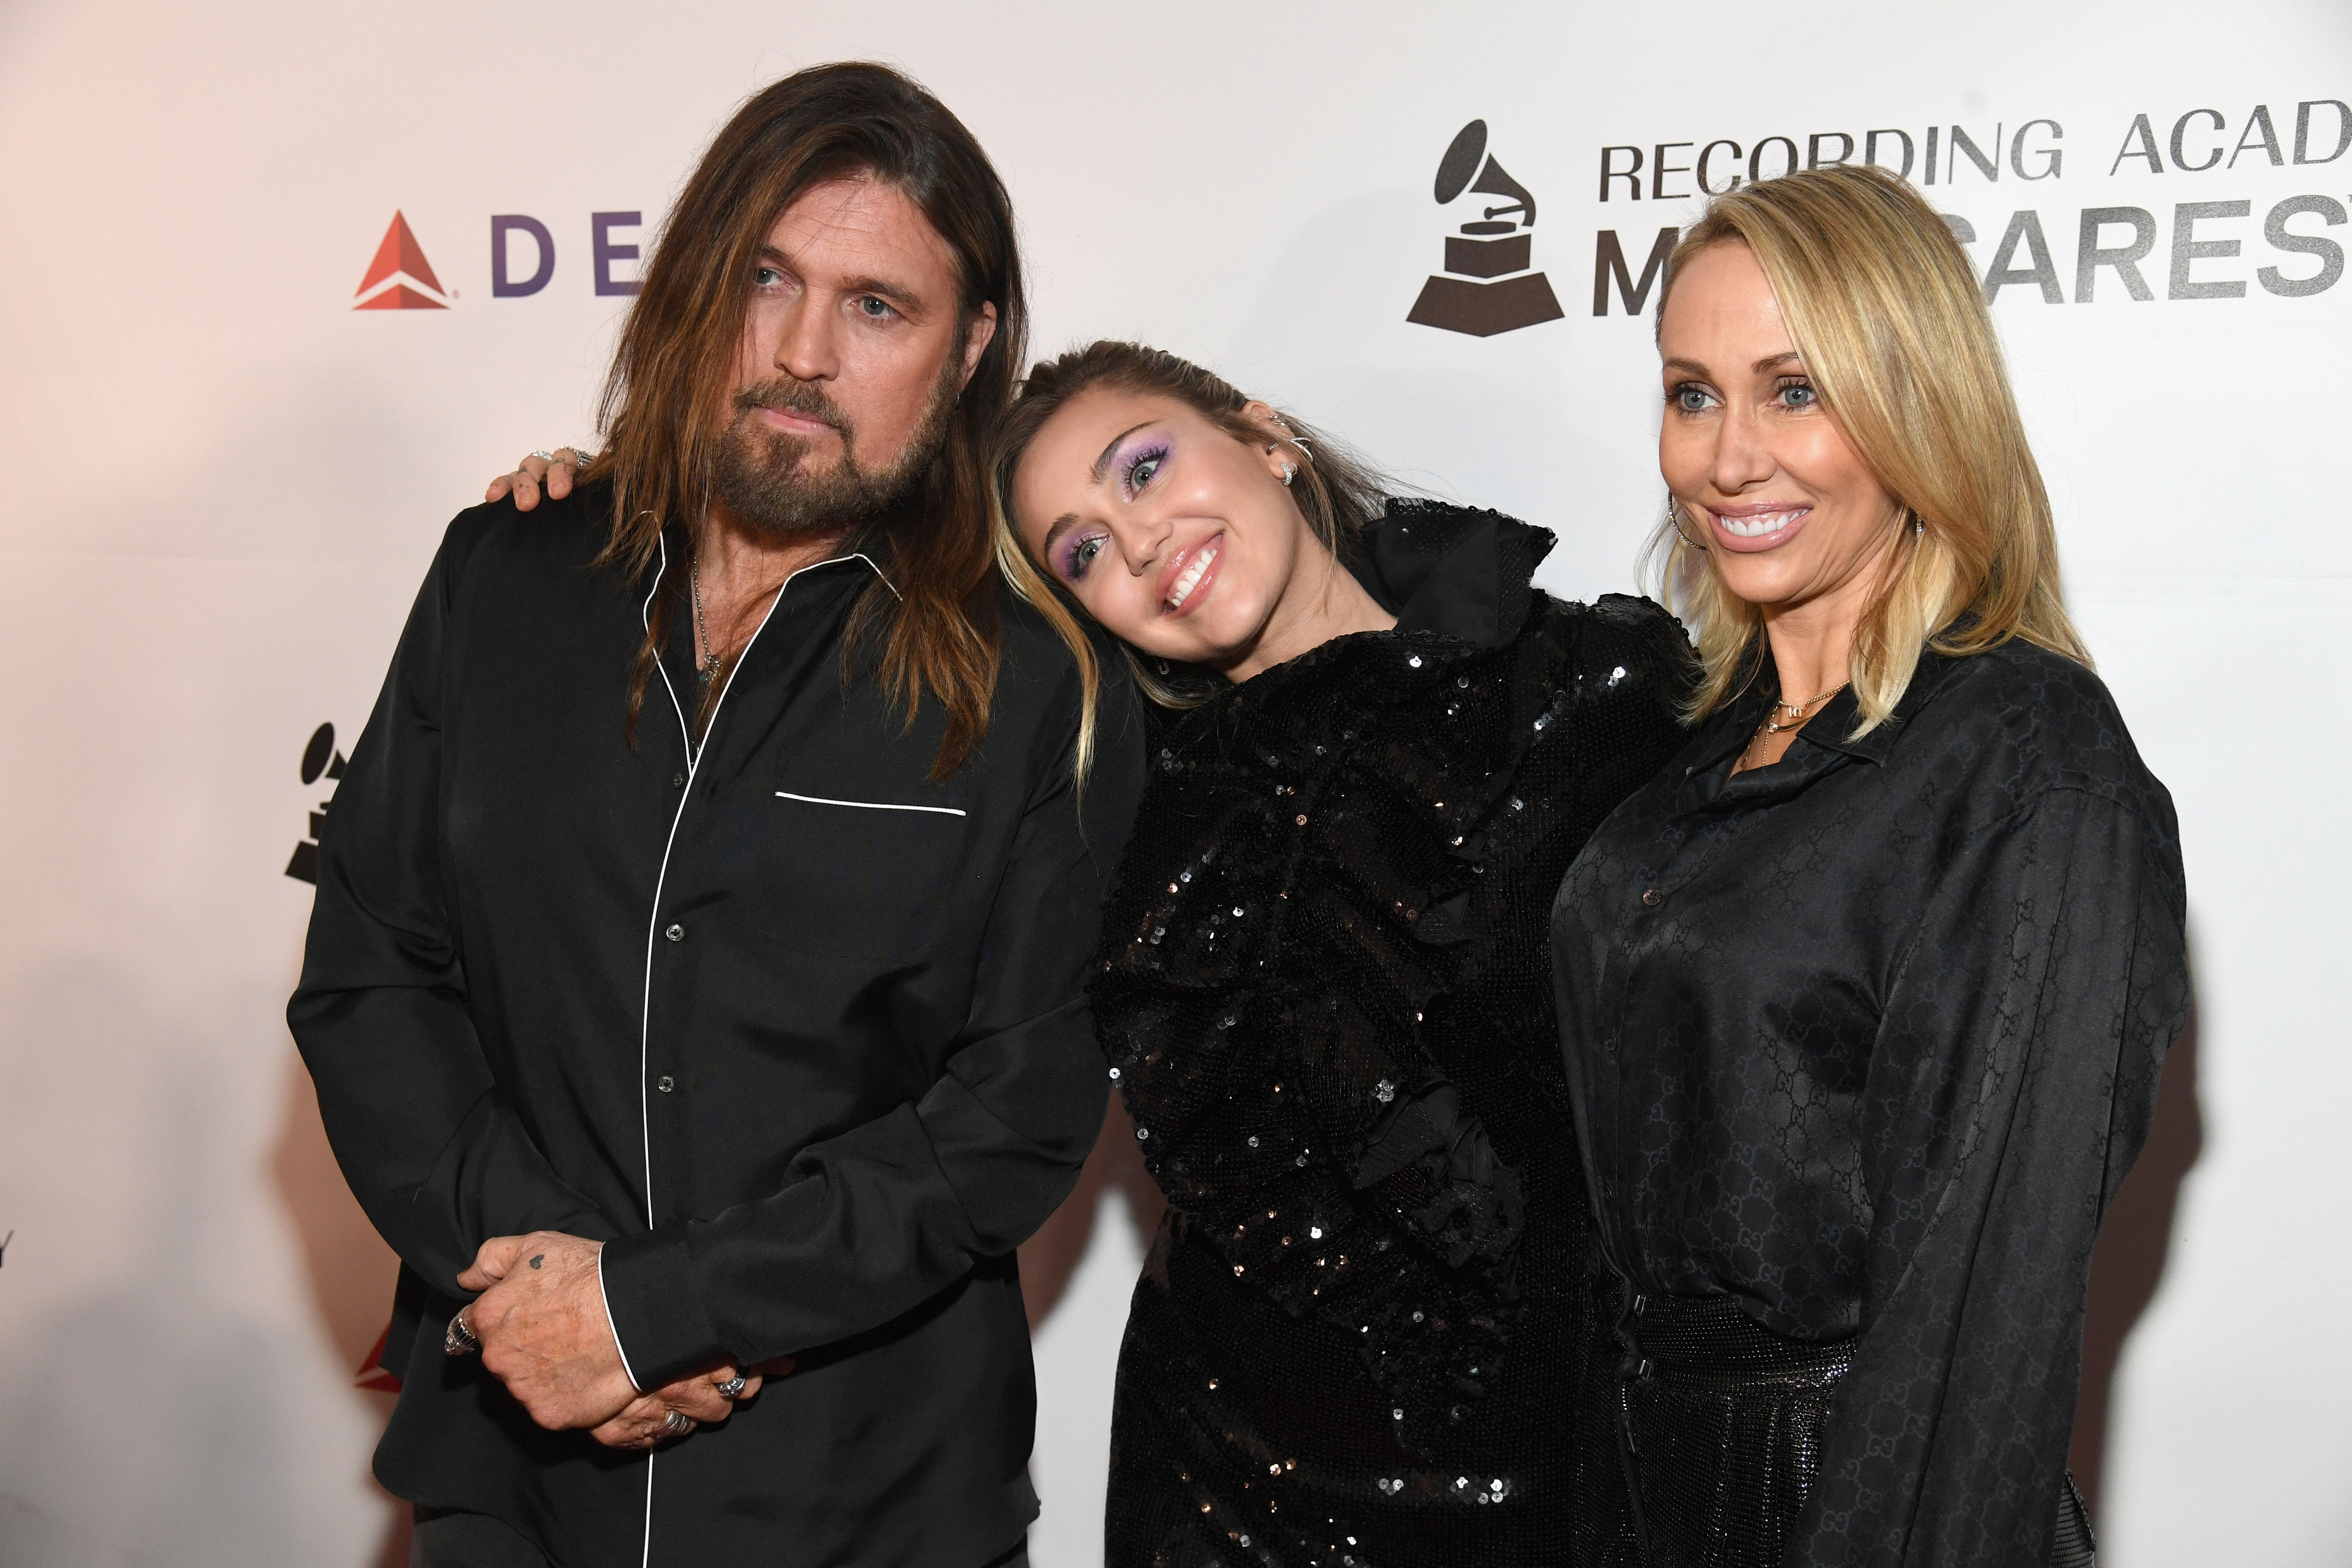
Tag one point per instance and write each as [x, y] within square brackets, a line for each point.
[1192, 578]
[1756, 527]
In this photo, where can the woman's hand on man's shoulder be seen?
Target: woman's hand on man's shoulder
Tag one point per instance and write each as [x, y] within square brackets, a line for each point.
[555, 470]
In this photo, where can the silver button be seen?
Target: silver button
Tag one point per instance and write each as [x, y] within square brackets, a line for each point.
[1650, 895]
[665, 1083]
[676, 932]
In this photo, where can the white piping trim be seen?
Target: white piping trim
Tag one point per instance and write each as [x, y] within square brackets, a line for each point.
[646, 1008]
[646, 1552]
[626, 1371]
[871, 805]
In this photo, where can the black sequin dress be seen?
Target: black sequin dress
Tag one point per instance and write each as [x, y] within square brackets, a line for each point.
[1862, 1043]
[1326, 996]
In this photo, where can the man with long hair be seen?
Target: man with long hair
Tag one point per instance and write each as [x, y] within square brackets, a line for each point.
[693, 990]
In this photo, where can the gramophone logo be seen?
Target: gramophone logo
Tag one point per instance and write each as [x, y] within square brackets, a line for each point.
[1486, 288]
[319, 760]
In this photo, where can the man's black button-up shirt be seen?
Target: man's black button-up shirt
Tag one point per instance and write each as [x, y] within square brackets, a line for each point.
[798, 1033]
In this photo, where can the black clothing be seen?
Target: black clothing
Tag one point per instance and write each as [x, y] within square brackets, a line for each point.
[1861, 1044]
[799, 1034]
[452, 1538]
[1325, 997]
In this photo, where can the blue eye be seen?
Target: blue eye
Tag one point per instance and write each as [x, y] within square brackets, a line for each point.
[874, 309]
[1079, 555]
[1799, 395]
[766, 277]
[1142, 469]
[1689, 398]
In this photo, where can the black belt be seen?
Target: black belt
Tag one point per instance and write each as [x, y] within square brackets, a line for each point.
[1719, 1423]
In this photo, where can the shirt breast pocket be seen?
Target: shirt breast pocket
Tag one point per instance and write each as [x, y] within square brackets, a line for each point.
[865, 874]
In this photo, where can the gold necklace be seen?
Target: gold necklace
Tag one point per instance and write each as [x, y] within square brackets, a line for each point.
[1796, 711]
[1797, 718]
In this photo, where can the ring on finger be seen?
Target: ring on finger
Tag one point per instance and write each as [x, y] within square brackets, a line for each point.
[678, 1424]
[732, 1388]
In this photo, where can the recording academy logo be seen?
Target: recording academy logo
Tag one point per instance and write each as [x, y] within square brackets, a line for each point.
[319, 760]
[1487, 286]
[400, 279]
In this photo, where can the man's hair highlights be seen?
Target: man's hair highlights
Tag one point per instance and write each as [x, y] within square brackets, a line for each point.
[666, 405]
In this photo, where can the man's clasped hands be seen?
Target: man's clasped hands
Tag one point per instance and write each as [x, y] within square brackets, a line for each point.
[544, 1333]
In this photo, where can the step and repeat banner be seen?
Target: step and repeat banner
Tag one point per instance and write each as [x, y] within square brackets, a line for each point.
[283, 284]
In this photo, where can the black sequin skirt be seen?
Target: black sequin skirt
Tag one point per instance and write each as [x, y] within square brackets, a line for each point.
[1701, 1434]
[1242, 1438]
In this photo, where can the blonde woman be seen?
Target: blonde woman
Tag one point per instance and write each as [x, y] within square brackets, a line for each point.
[1865, 997]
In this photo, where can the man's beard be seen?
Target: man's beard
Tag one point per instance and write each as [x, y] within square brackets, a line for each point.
[758, 476]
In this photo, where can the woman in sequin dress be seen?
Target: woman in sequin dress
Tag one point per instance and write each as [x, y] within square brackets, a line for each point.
[1865, 997]
[1324, 991]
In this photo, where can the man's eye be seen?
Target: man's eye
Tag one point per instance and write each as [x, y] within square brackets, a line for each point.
[766, 277]
[874, 309]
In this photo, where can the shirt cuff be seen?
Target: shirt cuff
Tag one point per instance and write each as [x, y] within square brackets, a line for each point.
[618, 1348]
[654, 1299]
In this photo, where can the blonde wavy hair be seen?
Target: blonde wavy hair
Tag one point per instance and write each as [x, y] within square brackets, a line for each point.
[1881, 302]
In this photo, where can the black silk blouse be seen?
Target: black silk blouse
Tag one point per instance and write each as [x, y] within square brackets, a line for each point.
[1866, 1040]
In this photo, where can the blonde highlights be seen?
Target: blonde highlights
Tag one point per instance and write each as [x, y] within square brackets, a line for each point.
[1883, 308]
[1336, 492]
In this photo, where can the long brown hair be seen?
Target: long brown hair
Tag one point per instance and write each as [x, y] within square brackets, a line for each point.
[1880, 301]
[1337, 492]
[667, 401]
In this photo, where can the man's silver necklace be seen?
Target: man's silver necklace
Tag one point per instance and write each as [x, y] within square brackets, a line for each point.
[708, 670]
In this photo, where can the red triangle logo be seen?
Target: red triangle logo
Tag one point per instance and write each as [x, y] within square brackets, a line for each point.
[400, 296]
[401, 256]
[373, 1372]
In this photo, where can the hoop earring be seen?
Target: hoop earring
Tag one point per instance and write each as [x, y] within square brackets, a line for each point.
[1289, 471]
[1164, 667]
[1675, 516]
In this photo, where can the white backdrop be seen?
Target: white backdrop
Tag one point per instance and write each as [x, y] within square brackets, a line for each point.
[223, 483]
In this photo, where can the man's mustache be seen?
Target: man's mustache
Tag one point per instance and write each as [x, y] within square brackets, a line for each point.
[785, 395]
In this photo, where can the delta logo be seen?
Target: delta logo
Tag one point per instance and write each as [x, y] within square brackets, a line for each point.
[400, 279]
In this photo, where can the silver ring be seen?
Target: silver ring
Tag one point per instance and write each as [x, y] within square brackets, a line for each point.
[678, 1423]
[544, 457]
[732, 1388]
[460, 1339]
